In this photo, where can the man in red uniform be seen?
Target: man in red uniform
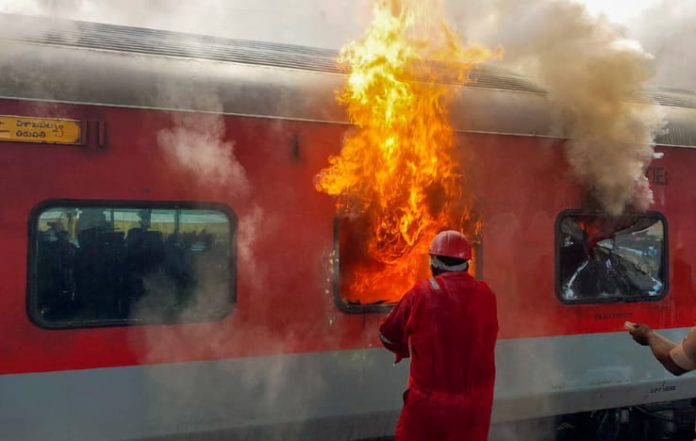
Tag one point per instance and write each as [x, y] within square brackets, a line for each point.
[448, 326]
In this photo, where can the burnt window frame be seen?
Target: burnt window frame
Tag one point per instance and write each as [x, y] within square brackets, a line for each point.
[637, 299]
[32, 301]
[372, 308]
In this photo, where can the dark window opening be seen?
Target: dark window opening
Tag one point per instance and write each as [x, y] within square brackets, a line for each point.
[603, 259]
[362, 284]
[117, 263]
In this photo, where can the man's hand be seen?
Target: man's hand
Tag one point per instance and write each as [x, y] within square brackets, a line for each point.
[640, 333]
[661, 347]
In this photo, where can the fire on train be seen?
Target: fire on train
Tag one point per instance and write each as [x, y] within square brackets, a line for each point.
[145, 299]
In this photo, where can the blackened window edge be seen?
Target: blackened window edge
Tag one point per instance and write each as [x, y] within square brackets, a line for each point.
[343, 306]
[557, 267]
[356, 308]
[32, 245]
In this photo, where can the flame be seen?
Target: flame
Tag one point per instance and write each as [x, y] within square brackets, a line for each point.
[398, 179]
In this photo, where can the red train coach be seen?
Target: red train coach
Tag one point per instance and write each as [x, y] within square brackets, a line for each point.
[170, 269]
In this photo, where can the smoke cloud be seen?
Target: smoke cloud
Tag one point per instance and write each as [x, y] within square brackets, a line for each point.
[197, 143]
[306, 22]
[663, 29]
[596, 78]
[667, 31]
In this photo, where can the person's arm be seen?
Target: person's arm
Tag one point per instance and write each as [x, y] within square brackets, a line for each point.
[662, 348]
[671, 355]
[393, 332]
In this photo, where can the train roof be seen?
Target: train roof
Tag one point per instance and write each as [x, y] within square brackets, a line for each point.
[83, 62]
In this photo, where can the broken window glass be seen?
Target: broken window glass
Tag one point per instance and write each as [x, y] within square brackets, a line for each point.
[605, 259]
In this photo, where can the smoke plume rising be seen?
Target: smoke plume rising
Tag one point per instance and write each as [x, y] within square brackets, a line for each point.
[667, 31]
[597, 80]
[197, 143]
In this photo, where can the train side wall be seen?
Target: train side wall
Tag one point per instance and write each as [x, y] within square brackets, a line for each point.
[286, 355]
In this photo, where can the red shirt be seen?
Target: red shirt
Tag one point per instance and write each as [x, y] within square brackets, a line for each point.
[448, 326]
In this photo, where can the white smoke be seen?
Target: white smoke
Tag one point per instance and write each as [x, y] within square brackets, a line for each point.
[197, 143]
[667, 31]
[663, 27]
[597, 80]
[306, 22]
[250, 225]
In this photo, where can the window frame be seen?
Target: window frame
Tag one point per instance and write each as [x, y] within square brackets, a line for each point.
[32, 301]
[381, 307]
[637, 299]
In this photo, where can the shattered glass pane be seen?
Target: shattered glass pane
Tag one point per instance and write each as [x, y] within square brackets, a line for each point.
[611, 259]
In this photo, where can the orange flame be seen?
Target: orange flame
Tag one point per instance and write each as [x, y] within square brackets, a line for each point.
[398, 178]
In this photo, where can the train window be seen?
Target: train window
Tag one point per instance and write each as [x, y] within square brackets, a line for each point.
[602, 259]
[363, 284]
[117, 263]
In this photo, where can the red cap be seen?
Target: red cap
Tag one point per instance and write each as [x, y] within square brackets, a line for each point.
[451, 244]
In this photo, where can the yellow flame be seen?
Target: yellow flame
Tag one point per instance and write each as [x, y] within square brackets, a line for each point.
[398, 169]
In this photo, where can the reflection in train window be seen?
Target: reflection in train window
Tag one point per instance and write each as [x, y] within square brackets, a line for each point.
[117, 264]
[603, 259]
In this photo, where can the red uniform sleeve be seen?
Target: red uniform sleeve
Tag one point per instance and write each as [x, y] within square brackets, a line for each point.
[493, 311]
[393, 332]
